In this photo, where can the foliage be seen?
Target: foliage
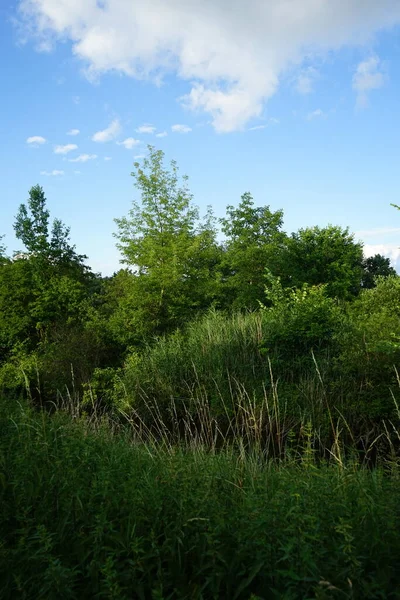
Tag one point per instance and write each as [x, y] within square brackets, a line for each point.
[17, 295]
[375, 266]
[47, 248]
[85, 513]
[173, 256]
[299, 321]
[205, 360]
[47, 299]
[211, 453]
[327, 256]
[370, 347]
[2, 249]
[253, 239]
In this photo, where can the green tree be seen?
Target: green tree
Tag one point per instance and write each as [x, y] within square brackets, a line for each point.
[48, 301]
[17, 294]
[50, 249]
[60, 281]
[253, 239]
[2, 248]
[173, 256]
[327, 255]
[373, 267]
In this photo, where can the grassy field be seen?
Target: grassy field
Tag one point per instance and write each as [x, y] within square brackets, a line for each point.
[89, 510]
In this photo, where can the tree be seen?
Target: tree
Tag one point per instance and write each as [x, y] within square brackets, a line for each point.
[17, 294]
[3, 257]
[375, 266]
[46, 288]
[48, 300]
[50, 249]
[327, 255]
[253, 238]
[173, 256]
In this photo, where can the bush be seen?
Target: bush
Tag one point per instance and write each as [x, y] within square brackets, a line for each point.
[299, 323]
[370, 350]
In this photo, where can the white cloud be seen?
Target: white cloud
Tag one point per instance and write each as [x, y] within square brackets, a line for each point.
[77, 172]
[65, 149]
[181, 128]
[108, 134]
[377, 231]
[36, 140]
[232, 59]
[271, 121]
[76, 99]
[145, 128]
[305, 80]
[129, 143]
[83, 158]
[107, 158]
[368, 76]
[53, 173]
[138, 156]
[315, 114]
[73, 132]
[391, 251]
[161, 134]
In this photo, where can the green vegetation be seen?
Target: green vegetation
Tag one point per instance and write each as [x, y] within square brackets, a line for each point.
[218, 419]
[86, 513]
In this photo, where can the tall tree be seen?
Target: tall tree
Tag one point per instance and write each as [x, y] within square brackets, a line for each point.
[172, 254]
[373, 267]
[253, 239]
[48, 247]
[48, 284]
[2, 249]
[327, 255]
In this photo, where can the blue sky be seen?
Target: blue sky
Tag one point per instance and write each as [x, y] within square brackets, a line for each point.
[296, 102]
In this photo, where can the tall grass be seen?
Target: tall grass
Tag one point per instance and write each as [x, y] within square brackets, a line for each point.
[237, 374]
[87, 511]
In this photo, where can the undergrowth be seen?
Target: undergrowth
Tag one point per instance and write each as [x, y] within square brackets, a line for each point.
[92, 510]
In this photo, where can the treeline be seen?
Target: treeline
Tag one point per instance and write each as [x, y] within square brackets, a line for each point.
[262, 314]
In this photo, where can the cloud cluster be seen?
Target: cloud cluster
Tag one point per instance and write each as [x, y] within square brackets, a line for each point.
[232, 53]
[145, 128]
[368, 76]
[82, 158]
[65, 149]
[108, 134]
[36, 140]
[305, 80]
[129, 143]
[315, 114]
[53, 173]
[178, 128]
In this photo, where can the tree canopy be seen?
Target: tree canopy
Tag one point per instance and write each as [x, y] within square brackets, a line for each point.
[171, 252]
[324, 255]
[253, 239]
[49, 246]
[373, 267]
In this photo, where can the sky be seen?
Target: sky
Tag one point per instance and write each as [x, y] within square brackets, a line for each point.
[295, 101]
